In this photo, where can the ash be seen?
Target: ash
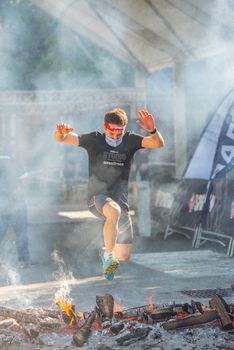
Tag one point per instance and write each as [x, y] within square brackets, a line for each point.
[157, 338]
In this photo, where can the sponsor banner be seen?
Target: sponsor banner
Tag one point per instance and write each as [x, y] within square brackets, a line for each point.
[164, 199]
[197, 201]
[216, 146]
[225, 149]
[189, 201]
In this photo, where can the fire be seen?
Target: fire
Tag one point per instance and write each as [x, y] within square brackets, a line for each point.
[181, 314]
[68, 312]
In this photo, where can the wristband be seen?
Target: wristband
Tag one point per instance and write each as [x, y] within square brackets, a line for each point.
[153, 132]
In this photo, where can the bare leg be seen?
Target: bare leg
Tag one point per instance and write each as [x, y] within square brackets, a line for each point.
[123, 251]
[111, 211]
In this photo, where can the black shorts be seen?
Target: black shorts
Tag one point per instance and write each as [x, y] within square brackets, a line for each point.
[125, 234]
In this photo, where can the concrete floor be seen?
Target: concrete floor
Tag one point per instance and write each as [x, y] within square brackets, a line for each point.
[158, 269]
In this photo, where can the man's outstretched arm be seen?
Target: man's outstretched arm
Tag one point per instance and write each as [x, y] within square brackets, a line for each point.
[64, 134]
[155, 140]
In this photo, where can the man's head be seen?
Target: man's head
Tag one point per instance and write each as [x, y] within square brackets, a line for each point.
[115, 123]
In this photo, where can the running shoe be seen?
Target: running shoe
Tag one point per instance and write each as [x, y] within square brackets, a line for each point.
[109, 276]
[110, 265]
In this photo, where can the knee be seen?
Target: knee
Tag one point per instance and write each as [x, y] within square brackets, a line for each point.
[123, 251]
[123, 256]
[112, 211]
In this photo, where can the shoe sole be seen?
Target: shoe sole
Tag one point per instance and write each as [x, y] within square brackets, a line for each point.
[113, 267]
[109, 277]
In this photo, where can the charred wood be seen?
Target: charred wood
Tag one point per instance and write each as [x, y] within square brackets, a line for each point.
[197, 306]
[18, 315]
[69, 316]
[225, 347]
[103, 347]
[31, 333]
[28, 315]
[188, 309]
[134, 336]
[217, 303]
[231, 306]
[162, 314]
[82, 336]
[190, 321]
[34, 333]
[134, 312]
[105, 306]
[51, 324]
[116, 328]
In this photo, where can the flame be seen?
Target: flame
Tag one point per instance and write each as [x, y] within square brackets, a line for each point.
[181, 314]
[67, 310]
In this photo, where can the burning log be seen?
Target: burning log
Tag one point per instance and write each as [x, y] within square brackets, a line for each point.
[105, 306]
[188, 309]
[134, 312]
[217, 303]
[190, 321]
[197, 306]
[30, 323]
[134, 336]
[67, 312]
[162, 314]
[147, 313]
[193, 308]
[81, 337]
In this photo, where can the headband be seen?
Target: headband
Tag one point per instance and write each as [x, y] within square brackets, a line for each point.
[114, 129]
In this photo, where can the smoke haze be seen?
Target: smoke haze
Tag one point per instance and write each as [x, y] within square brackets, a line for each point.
[39, 54]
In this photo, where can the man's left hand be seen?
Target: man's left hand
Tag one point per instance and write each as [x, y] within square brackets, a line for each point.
[147, 121]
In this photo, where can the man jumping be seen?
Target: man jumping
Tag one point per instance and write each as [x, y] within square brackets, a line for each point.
[110, 155]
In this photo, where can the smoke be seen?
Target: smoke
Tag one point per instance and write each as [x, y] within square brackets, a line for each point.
[12, 277]
[40, 53]
[64, 277]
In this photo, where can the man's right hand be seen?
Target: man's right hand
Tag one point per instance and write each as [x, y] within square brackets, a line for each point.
[64, 134]
[64, 128]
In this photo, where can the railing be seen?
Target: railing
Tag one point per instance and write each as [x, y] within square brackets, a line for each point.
[80, 99]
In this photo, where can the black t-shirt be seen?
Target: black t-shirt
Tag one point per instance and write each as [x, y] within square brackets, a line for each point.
[109, 166]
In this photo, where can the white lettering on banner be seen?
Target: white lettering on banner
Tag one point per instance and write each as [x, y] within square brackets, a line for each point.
[199, 202]
[212, 202]
[227, 151]
[196, 202]
[163, 199]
